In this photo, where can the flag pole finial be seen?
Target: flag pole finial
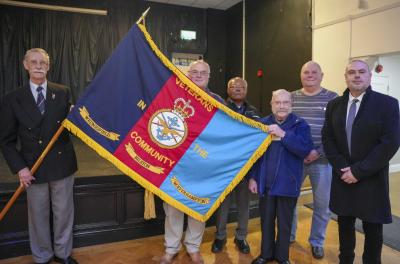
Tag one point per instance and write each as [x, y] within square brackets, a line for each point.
[142, 18]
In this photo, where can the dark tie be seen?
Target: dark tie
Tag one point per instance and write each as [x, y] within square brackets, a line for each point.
[350, 120]
[40, 99]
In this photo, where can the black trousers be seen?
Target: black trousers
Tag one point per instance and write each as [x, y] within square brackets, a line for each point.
[347, 241]
[280, 208]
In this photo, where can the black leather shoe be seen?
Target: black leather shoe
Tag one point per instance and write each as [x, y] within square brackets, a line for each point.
[317, 252]
[218, 245]
[69, 260]
[261, 260]
[242, 245]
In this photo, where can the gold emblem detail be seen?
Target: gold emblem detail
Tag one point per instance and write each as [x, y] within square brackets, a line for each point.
[85, 115]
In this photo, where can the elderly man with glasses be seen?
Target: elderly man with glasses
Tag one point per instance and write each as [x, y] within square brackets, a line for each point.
[30, 116]
[199, 73]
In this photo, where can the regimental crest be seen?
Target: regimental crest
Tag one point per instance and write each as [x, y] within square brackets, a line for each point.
[167, 127]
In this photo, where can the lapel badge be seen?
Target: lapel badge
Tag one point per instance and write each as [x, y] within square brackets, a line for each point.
[53, 96]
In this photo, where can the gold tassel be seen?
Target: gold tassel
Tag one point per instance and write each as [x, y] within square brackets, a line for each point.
[149, 206]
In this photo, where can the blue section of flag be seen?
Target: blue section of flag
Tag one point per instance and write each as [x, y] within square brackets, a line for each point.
[131, 74]
[229, 145]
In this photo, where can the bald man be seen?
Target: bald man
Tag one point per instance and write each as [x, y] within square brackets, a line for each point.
[310, 102]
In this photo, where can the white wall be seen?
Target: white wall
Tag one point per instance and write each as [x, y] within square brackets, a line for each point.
[342, 31]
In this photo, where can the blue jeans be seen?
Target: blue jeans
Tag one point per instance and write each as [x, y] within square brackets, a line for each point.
[320, 174]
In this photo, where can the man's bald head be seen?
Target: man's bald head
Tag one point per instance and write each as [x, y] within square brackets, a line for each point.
[311, 77]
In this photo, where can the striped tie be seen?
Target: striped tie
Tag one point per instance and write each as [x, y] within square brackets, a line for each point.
[350, 120]
[40, 99]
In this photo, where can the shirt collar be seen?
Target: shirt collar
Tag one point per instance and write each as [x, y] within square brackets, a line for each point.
[360, 97]
[34, 86]
[232, 102]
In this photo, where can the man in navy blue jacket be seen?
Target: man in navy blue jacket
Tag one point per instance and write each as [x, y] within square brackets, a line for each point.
[277, 176]
[360, 135]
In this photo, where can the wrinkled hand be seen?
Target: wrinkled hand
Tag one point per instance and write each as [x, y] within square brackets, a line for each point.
[348, 176]
[25, 177]
[312, 156]
[276, 131]
[252, 186]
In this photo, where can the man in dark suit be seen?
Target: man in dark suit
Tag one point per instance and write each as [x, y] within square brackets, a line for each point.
[30, 115]
[360, 135]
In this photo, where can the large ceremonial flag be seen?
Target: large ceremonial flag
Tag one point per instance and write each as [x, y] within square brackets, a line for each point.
[149, 120]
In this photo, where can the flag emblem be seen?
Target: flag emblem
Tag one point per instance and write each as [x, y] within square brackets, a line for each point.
[167, 127]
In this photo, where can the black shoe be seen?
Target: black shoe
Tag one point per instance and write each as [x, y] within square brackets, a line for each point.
[218, 245]
[69, 260]
[317, 252]
[261, 260]
[242, 245]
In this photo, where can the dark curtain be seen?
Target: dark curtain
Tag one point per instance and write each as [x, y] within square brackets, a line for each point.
[278, 42]
[79, 44]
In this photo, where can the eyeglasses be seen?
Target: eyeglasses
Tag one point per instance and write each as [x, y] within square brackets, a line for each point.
[201, 73]
[282, 103]
[35, 63]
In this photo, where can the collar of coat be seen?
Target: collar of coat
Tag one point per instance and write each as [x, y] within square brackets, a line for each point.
[289, 122]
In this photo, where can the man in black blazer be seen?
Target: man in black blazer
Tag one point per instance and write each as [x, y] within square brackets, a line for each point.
[360, 135]
[30, 115]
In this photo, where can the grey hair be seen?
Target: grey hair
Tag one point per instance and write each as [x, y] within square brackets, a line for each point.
[358, 60]
[39, 50]
[192, 64]
[281, 91]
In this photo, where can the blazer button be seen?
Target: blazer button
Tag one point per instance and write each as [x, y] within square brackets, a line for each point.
[40, 142]
[59, 153]
[29, 128]
[58, 121]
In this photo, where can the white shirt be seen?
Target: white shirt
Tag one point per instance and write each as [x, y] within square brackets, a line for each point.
[35, 86]
[351, 98]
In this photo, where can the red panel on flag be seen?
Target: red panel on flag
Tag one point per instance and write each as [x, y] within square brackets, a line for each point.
[159, 139]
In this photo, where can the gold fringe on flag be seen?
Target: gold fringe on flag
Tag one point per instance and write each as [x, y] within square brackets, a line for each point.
[149, 205]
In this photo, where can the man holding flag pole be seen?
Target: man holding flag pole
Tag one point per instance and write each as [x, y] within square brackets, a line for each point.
[31, 115]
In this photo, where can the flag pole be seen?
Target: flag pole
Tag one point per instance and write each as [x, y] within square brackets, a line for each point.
[33, 170]
[142, 18]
